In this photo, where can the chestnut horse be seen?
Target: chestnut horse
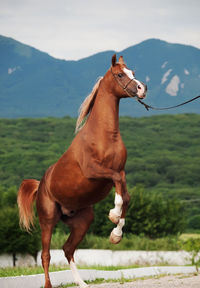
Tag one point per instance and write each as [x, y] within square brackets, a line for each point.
[87, 171]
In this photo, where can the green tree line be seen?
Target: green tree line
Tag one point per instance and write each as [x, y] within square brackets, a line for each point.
[163, 169]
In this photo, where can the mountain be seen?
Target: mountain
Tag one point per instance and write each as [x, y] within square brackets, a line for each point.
[34, 84]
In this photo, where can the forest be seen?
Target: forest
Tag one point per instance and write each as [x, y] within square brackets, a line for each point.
[163, 169]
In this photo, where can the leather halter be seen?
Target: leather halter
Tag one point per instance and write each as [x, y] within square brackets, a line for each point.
[124, 87]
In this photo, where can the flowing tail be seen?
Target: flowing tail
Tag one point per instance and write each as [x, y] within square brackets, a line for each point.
[25, 199]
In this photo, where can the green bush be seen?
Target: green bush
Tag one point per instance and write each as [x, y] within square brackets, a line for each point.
[192, 245]
[12, 239]
[194, 222]
[148, 214]
[8, 196]
[129, 242]
[101, 225]
[152, 215]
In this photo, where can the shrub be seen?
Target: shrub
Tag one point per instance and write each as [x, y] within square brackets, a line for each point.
[12, 239]
[129, 242]
[148, 214]
[192, 245]
[152, 215]
[194, 222]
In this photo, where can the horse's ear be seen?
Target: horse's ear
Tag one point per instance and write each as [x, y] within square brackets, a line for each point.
[114, 60]
[121, 60]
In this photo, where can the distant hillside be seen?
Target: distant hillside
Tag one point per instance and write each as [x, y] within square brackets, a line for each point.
[162, 164]
[34, 84]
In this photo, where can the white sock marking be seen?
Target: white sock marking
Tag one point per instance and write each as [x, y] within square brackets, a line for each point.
[76, 275]
[118, 230]
[118, 205]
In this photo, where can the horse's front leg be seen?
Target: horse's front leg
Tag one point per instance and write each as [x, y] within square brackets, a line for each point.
[116, 212]
[93, 169]
[122, 199]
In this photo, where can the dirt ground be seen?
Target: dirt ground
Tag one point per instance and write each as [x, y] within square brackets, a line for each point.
[177, 281]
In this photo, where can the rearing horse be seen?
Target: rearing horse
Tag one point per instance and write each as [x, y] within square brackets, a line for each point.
[87, 171]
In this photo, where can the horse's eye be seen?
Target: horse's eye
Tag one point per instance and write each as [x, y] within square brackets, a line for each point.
[120, 75]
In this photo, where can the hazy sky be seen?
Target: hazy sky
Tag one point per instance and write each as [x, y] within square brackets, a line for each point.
[73, 29]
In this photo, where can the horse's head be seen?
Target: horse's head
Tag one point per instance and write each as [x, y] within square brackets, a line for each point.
[126, 85]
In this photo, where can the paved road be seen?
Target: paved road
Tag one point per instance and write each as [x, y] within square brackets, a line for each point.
[177, 281]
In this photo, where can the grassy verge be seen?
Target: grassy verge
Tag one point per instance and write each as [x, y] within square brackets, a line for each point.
[186, 236]
[21, 271]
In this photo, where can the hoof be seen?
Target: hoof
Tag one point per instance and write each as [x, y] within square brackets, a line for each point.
[113, 217]
[115, 239]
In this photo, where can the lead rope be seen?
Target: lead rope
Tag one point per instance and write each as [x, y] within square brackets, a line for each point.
[146, 105]
[166, 108]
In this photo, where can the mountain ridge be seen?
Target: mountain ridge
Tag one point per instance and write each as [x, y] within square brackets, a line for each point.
[35, 84]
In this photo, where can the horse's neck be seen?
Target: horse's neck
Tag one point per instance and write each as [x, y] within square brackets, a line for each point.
[104, 116]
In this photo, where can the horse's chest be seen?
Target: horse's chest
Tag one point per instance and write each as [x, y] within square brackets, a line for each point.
[119, 158]
[115, 156]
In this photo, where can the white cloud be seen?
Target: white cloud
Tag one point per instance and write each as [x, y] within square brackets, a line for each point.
[74, 29]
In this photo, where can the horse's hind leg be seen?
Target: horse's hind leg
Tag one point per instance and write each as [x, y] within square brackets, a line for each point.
[49, 215]
[79, 225]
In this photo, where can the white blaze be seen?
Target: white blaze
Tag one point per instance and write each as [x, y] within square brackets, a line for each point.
[129, 73]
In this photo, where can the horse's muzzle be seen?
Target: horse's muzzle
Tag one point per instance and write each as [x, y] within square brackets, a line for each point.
[141, 90]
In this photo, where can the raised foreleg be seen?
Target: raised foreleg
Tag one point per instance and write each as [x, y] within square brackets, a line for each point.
[117, 214]
[116, 234]
[95, 170]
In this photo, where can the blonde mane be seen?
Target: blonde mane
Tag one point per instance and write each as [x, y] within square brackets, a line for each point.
[86, 106]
